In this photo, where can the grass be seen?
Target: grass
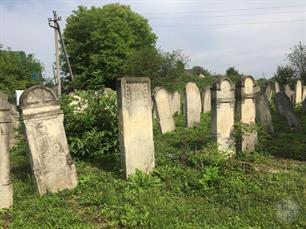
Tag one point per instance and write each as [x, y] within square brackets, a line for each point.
[192, 187]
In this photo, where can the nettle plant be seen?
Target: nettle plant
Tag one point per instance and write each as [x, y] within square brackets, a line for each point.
[91, 124]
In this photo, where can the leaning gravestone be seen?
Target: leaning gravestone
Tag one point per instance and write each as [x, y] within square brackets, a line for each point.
[6, 187]
[298, 92]
[175, 103]
[135, 124]
[276, 87]
[206, 100]
[222, 113]
[263, 113]
[164, 116]
[246, 111]
[192, 104]
[268, 91]
[51, 162]
[284, 107]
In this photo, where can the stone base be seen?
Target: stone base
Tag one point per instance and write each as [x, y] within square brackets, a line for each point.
[6, 196]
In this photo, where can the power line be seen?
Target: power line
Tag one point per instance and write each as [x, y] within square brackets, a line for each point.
[232, 24]
[231, 15]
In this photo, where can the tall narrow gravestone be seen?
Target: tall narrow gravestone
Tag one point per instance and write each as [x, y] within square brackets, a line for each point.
[165, 119]
[276, 87]
[304, 93]
[298, 92]
[246, 111]
[206, 100]
[192, 104]
[289, 92]
[175, 102]
[6, 187]
[222, 113]
[51, 162]
[263, 113]
[135, 124]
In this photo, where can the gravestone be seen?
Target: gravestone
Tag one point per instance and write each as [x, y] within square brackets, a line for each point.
[175, 103]
[284, 107]
[289, 92]
[304, 93]
[222, 113]
[246, 111]
[298, 92]
[109, 91]
[263, 113]
[15, 124]
[268, 91]
[192, 104]
[162, 104]
[6, 187]
[257, 89]
[206, 100]
[135, 124]
[276, 87]
[53, 167]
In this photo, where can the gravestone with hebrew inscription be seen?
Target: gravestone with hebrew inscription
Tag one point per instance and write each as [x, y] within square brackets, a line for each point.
[222, 113]
[51, 162]
[6, 187]
[193, 104]
[206, 100]
[163, 108]
[135, 124]
[175, 102]
[246, 111]
[298, 92]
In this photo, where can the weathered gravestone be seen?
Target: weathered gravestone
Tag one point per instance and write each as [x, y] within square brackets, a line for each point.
[206, 100]
[192, 104]
[6, 187]
[222, 113]
[298, 92]
[276, 87]
[162, 104]
[263, 113]
[175, 102]
[268, 91]
[135, 124]
[246, 111]
[304, 93]
[15, 124]
[51, 162]
[257, 89]
[289, 92]
[284, 107]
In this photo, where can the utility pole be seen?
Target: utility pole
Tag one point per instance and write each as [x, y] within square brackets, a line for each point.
[57, 51]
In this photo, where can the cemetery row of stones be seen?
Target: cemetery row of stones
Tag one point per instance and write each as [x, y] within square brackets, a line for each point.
[52, 165]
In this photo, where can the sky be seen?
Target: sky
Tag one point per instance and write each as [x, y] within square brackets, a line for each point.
[251, 35]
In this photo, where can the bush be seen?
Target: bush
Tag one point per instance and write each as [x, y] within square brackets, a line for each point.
[91, 124]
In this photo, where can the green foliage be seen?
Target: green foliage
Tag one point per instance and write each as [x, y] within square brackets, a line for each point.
[99, 41]
[233, 74]
[297, 60]
[284, 75]
[91, 124]
[18, 71]
[197, 70]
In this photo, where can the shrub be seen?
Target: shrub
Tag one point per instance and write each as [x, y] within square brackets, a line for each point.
[91, 124]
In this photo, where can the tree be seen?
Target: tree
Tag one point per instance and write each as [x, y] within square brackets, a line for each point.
[197, 70]
[233, 74]
[297, 60]
[18, 71]
[284, 75]
[99, 40]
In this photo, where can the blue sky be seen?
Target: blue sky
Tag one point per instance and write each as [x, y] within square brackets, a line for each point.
[252, 35]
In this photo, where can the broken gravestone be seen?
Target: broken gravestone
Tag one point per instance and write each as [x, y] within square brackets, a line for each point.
[162, 104]
[246, 111]
[6, 187]
[222, 113]
[206, 100]
[263, 113]
[135, 124]
[192, 104]
[284, 107]
[51, 162]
